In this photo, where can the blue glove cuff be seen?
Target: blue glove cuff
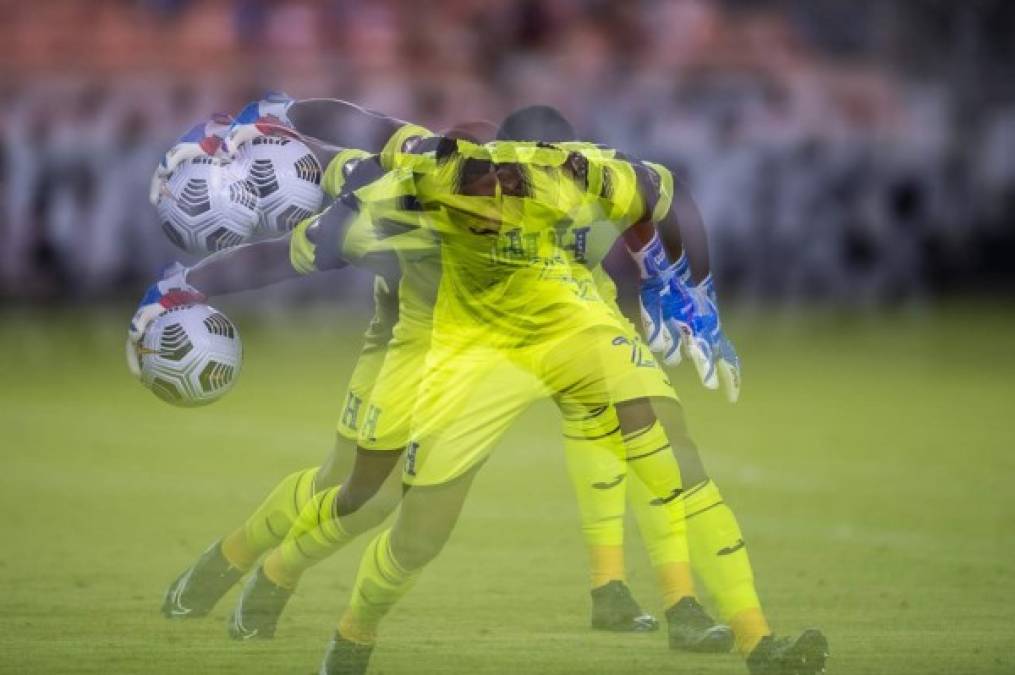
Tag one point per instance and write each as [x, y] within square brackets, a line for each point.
[651, 260]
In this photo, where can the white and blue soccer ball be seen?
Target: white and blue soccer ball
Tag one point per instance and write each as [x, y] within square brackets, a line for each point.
[190, 355]
[286, 177]
[207, 205]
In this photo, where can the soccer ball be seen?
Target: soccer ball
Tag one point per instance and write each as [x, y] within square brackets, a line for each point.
[207, 205]
[190, 355]
[286, 177]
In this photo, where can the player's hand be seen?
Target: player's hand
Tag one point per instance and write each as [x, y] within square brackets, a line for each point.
[667, 312]
[170, 291]
[667, 308]
[266, 117]
[707, 346]
[202, 140]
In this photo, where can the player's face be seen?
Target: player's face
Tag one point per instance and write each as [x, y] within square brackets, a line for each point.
[480, 178]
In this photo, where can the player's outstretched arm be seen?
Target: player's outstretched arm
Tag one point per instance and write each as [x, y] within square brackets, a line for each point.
[328, 125]
[309, 248]
[707, 345]
[342, 123]
[678, 299]
[683, 232]
[263, 263]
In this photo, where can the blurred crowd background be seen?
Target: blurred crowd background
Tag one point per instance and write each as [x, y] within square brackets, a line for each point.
[859, 152]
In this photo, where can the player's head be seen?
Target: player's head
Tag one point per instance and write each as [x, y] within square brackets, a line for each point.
[474, 131]
[536, 123]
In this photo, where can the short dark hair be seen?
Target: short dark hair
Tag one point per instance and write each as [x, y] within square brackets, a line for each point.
[536, 123]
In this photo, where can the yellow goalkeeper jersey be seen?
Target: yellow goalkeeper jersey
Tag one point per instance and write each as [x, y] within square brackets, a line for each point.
[517, 250]
[515, 228]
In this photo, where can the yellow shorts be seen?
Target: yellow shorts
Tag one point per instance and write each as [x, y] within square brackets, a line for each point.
[387, 420]
[470, 395]
[382, 392]
[361, 384]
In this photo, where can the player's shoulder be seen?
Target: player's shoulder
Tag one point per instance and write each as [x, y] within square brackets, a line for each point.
[417, 148]
[351, 169]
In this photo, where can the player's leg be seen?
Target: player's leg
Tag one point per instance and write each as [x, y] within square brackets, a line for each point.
[719, 554]
[659, 478]
[331, 519]
[372, 490]
[335, 516]
[467, 401]
[390, 566]
[196, 591]
[608, 365]
[596, 467]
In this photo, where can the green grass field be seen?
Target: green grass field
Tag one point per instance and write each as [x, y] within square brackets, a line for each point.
[870, 463]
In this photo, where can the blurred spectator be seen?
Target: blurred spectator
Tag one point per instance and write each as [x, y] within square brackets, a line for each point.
[831, 144]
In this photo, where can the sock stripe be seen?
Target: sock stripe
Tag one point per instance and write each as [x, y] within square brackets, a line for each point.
[695, 488]
[380, 568]
[296, 491]
[296, 543]
[707, 508]
[648, 454]
[393, 560]
[364, 600]
[320, 516]
[267, 526]
[640, 432]
[593, 438]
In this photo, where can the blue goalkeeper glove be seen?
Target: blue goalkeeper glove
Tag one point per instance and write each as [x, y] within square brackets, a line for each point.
[172, 290]
[204, 139]
[265, 117]
[682, 319]
[666, 308]
[707, 346]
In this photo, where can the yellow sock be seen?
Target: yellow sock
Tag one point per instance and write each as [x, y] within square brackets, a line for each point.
[595, 463]
[350, 629]
[268, 525]
[607, 564]
[380, 583]
[666, 545]
[655, 489]
[675, 582]
[316, 534]
[236, 550]
[719, 558]
[749, 626]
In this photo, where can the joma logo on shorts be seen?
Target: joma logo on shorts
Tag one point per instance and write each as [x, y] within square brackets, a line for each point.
[410, 457]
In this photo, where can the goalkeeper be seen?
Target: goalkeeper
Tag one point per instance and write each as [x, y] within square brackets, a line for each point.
[638, 418]
[598, 477]
[384, 379]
